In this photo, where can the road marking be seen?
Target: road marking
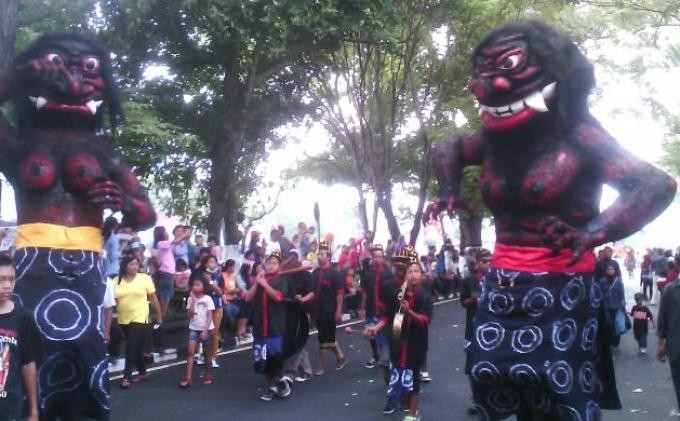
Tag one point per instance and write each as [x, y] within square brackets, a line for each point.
[249, 346]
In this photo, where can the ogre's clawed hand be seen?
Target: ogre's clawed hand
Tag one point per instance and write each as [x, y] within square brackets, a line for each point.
[448, 204]
[107, 194]
[558, 235]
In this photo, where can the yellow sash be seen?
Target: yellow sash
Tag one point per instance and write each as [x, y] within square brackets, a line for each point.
[59, 237]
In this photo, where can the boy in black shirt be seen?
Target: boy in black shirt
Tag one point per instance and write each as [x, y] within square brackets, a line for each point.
[641, 316]
[266, 297]
[18, 343]
[329, 295]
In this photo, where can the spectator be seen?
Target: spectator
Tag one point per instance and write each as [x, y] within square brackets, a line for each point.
[671, 275]
[285, 244]
[111, 247]
[312, 253]
[180, 247]
[646, 277]
[213, 276]
[200, 312]
[669, 335]
[604, 262]
[614, 300]
[234, 303]
[305, 238]
[182, 275]
[133, 292]
[136, 249]
[165, 262]
[18, 351]
[202, 255]
[641, 318]
[214, 247]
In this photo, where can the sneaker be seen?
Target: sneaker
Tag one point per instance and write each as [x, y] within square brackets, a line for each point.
[412, 417]
[288, 380]
[643, 350]
[388, 409]
[372, 363]
[425, 377]
[302, 379]
[271, 393]
[284, 388]
[214, 364]
[200, 359]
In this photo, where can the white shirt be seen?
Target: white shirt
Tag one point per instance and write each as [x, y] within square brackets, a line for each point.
[109, 298]
[201, 307]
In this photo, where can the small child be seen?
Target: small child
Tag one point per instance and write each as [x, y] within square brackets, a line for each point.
[19, 346]
[199, 309]
[641, 315]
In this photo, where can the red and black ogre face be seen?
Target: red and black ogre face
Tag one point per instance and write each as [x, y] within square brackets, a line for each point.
[68, 78]
[523, 69]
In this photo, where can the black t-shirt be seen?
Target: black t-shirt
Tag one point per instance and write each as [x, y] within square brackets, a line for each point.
[303, 284]
[19, 346]
[413, 333]
[269, 316]
[372, 280]
[328, 284]
[641, 316]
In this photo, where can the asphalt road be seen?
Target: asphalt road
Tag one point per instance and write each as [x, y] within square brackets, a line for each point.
[357, 393]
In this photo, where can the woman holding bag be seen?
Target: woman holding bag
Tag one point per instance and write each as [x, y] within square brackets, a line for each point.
[614, 301]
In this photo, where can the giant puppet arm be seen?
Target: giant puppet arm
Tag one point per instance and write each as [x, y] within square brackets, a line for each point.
[450, 158]
[644, 192]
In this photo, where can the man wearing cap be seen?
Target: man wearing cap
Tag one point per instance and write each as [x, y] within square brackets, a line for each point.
[329, 293]
[373, 277]
[266, 297]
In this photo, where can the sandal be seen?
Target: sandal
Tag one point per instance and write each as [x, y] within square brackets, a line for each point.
[125, 384]
[342, 363]
[185, 383]
[207, 380]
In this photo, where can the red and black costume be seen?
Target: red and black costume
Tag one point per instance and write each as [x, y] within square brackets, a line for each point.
[65, 173]
[544, 162]
[328, 283]
[269, 325]
[408, 354]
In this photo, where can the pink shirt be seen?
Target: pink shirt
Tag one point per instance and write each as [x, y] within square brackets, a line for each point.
[165, 258]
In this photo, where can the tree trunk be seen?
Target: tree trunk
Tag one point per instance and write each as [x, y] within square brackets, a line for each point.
[470, 231]
[422, 195]
[385, 203]
[8, 18]
[363, 211]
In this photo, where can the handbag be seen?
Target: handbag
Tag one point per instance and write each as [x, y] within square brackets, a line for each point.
[621, 322]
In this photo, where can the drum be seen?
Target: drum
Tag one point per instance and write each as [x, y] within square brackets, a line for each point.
[297, 329]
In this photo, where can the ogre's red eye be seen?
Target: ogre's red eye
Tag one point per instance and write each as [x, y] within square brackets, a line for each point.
[91, 64]
[54, 58]
[510, 62]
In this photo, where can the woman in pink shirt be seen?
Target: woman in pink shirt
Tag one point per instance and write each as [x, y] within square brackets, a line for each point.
[165, 262]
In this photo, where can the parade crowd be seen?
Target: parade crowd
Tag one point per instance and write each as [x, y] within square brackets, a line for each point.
[247, 300]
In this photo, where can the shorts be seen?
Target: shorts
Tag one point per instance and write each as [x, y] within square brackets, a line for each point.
[382, 342]
[326, 328]
[166, 287]
[268, 355]
[195, 335]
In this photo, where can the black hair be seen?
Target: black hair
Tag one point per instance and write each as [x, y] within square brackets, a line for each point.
[158, 235]
[124, 262]
[110, 225]
[227, 264]
[181, 262]
[6, 260]
[112, 94]
[198, 276]
[561, 59]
